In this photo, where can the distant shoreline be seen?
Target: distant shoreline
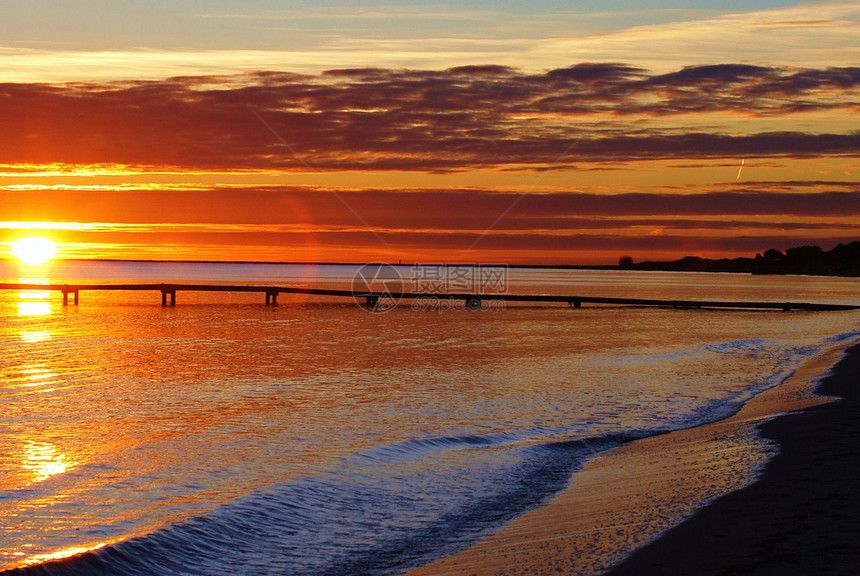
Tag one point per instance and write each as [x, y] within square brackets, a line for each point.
[841, 261]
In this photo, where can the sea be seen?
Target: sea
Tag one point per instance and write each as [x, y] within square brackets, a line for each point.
[323, 436]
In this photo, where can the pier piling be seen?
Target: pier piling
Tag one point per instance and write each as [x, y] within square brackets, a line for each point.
[168, 295]
[66, 297]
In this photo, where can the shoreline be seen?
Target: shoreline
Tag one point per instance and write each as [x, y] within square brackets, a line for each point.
[799, 517]
[635, 496]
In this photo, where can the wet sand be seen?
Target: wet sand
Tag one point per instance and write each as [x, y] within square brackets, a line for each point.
[801, 517]
[627, 497]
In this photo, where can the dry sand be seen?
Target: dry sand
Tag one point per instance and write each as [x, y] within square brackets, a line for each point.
[629, 496]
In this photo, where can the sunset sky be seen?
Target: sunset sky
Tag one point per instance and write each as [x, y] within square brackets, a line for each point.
[558, 132]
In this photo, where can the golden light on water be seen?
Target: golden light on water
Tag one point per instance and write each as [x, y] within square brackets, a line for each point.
[34, 294]
[34, 250]
[38, 376]
[34, 302]
[29, 308]
[60, 554]
[43, 460]
[35, 335]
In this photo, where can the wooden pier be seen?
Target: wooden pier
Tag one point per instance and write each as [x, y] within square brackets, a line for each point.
[372, 299]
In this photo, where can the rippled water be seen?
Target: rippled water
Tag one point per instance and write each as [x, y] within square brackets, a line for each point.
[224, 436]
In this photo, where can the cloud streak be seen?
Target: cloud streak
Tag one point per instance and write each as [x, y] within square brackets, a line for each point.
[277, 208]
[532, 38]
[455, 119]
[783, 35]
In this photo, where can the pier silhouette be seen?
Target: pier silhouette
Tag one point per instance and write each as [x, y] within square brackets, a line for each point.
[372, 298]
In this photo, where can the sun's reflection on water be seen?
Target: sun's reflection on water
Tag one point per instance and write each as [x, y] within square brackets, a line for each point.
[34, 302]
[43, 460]
[35, 336]
[37, 375]
[27, 308]
[59, 554]
[20, 559]
[34, 294]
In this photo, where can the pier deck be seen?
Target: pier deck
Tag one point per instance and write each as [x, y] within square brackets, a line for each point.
[168, 296]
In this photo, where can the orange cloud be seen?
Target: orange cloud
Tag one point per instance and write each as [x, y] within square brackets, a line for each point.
[455, 119]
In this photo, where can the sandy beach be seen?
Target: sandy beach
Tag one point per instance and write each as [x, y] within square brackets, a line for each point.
[793, 513]
[800, 517]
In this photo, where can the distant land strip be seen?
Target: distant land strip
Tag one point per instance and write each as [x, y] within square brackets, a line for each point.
[842, 260]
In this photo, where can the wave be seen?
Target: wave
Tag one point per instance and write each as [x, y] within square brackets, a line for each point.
[843, 337]
[378, 513]
[737, 345]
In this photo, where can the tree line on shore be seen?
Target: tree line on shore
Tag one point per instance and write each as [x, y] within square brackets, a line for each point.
[842, 260]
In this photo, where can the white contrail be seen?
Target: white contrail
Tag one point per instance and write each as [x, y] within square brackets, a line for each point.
[740, 169]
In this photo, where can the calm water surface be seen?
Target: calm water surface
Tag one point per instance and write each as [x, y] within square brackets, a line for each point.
[224, 436]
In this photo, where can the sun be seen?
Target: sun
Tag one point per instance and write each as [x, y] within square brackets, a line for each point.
[34, 250]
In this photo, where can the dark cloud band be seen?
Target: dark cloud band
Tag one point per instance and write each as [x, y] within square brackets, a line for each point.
[456, 119]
